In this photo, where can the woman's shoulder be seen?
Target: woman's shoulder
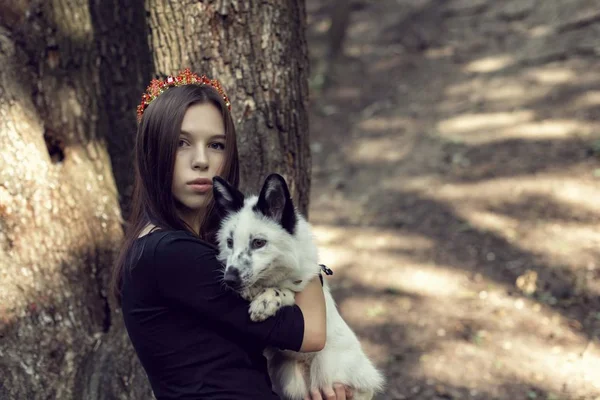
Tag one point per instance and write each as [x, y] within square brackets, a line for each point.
[162, 241]
[179, 252]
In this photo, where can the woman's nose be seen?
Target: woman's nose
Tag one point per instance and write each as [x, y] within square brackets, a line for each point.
[201, 165]
[200, 160]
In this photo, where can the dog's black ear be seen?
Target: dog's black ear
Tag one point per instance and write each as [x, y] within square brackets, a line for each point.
[227, 198]
[276, 203]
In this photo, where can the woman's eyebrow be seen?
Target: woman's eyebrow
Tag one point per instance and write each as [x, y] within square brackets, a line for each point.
[215, 136]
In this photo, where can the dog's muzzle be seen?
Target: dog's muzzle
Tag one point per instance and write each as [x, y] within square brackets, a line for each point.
[232, 278]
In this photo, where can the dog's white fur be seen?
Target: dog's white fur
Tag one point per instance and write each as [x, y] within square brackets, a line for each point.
[269, 275]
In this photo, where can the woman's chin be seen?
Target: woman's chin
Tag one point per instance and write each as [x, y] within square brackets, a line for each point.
[193, 205]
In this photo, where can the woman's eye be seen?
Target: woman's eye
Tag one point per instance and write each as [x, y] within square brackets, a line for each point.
[181, 143]
[217, 146]
[230, 243]
[258, 243]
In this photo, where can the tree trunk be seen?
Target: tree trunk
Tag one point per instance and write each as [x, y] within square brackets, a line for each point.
[72, 74]
[125, 71]
[257, 49]
[60, 220]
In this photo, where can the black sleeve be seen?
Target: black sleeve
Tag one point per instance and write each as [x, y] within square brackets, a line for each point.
[188, 273]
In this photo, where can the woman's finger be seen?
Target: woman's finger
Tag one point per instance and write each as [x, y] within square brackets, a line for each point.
[315, 394]
[329, 394]
[340, 391]
[349, 393]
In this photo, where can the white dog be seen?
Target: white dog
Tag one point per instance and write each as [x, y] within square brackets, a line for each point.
[269, 252]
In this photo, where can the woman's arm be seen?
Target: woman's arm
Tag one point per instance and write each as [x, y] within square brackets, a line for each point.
[312, 303]
[188, 275]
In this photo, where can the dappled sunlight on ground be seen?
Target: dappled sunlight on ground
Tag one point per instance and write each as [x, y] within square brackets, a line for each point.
[588, 99]
[490, 64]
[552, 75]
[456, 178]
[379, 124]
[366, 238]
[385, 148]
[490, 128]
[514, 338]
[541, 222]
[553, 185]
[475, 123]
[510, 362]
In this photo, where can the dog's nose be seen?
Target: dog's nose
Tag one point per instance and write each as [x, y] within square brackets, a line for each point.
[232, 277]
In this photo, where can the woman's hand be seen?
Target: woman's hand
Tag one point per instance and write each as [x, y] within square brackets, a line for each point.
[337, 392]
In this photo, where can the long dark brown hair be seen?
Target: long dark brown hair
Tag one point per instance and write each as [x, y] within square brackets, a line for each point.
[155, 151]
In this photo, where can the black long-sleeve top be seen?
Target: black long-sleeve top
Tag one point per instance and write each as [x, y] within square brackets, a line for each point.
[192, 335]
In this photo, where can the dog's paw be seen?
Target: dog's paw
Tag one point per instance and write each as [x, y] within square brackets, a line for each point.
[267, 303]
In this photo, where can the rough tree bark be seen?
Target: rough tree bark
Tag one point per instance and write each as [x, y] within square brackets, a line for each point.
[59, 218]
[72, 73]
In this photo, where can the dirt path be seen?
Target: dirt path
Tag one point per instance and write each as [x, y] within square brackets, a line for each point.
[456, 193]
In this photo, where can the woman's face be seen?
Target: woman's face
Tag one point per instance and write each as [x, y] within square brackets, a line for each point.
[200, 156]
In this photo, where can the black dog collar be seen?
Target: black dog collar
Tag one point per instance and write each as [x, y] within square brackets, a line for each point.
[327, 271]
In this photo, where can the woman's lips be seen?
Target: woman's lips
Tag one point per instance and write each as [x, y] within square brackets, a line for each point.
[200, 185]
[201, 188]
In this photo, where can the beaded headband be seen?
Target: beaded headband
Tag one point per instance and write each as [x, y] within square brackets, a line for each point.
[186, 77]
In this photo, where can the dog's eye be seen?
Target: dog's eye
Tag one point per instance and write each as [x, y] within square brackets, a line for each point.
[230, 243]
[258, 243]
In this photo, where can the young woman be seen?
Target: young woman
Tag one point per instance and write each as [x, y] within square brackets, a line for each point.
[193, 336]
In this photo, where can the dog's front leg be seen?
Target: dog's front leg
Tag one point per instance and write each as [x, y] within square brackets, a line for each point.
[269, 301]
[250, 293]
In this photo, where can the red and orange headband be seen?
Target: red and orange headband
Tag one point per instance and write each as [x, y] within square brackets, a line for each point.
[186, 77]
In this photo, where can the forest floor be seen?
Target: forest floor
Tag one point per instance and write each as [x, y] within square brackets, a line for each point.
[456, 193]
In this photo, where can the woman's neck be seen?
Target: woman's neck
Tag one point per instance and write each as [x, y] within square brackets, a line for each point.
[192, 219]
